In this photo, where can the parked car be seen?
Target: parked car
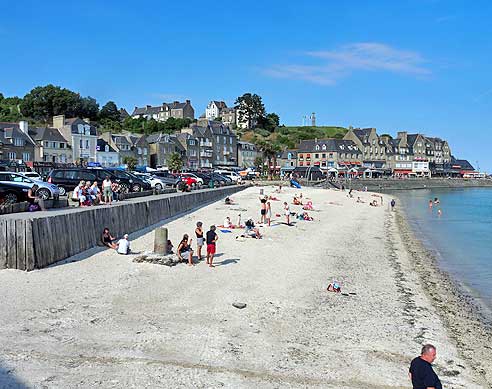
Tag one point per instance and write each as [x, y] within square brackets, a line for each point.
[197, 178]
[11, 193]
[219, 179]
[34, 175]
[68, 179]
[167, 178]
[230, 174]
[205, 177]
[154, 181]
[135, 183]
[45, 190]
[189, 180]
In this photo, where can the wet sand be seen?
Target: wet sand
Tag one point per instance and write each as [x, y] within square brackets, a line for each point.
[105, 321]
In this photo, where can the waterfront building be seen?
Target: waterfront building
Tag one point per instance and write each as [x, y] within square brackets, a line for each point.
[81, 137]
[51, 146]
[16, 145]
[106, 155]
[246, 154]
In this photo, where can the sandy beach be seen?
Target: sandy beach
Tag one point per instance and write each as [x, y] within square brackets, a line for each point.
[101, 320]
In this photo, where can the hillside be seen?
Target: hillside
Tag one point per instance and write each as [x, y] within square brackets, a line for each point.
[289, 136]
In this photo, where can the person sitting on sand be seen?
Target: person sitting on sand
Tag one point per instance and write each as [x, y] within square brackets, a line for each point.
[251, 231]
[124, 245]
[359, 200]
[308, 206]
[296, 201]
[334, 287]
[373, 203]
[169, 248]
[108, 240]
[273, 198]
[436, 200]
[185, 252]
[227, 223]
[229, 201]
[305, 216]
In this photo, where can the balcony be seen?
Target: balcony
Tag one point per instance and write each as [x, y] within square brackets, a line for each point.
[206, 154]
[206, 144]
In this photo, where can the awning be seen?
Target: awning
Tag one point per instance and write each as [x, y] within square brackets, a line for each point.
[402, 171]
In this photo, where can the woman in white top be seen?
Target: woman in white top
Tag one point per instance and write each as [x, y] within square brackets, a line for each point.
[107, 192]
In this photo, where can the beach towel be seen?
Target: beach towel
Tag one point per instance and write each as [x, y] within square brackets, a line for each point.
[226, 231]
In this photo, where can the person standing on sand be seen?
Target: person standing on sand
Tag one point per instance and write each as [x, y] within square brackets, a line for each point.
[287, 212]
[268, 212]
[430, 203]
[421, 372]
[199, 239]
[263, 210]
[393, 203]
[212, 238]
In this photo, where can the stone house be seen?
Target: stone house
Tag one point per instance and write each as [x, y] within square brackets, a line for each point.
[51, 146]
[189, 148]
[141, 148]
[165, 111]
[246, 154]
[287, 160]
[127, 144]
[15, 143]
[373, 148]
[205, 140]
[81, 136]
[161, 146]
[224, 144]
[329, 153]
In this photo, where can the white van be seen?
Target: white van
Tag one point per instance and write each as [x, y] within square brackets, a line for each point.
[227, 173]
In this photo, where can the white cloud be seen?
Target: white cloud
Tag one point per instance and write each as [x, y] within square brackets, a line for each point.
[332, 65]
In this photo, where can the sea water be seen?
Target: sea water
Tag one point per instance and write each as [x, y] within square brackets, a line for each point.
[461, 237]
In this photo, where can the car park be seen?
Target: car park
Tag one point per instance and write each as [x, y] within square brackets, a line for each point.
[45, 190]
[135, 184]
[34, 175]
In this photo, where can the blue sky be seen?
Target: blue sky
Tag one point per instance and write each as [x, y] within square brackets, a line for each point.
[421, 65]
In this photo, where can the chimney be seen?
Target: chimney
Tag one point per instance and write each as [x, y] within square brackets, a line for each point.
[402, 135]
[58, 121]
[24, 126]
[187, 101]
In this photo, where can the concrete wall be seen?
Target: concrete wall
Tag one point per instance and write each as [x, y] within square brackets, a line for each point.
[34, 242]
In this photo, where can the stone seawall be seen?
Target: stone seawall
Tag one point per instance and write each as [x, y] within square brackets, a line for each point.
[39, 240]
[375, 185]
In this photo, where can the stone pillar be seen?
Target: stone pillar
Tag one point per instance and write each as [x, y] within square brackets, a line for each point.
[160, 241]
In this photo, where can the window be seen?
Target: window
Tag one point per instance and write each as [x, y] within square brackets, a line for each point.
[62, 145]
[12, 155]
[230, 140]
[316, 155]
[26, 156]
[87, 144]
[46, 144]
[81, 144]
[317, 147]
[323, 147]
[323, 155]
[53, 144]
[330, 155]
[18, 142]
[192, 142]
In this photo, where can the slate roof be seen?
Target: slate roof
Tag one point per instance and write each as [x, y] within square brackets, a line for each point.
[101, 144]
[220, 104]
[331, 145]
[74, 122]
[47, 134]
[9, 131]
[148, 110]
[159, 137]
[120, 139]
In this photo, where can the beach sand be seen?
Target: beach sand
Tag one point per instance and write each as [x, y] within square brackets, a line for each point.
[105, 321]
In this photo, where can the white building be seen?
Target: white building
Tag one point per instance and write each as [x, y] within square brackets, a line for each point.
[81, 136]
[106, 155]
[214, 109]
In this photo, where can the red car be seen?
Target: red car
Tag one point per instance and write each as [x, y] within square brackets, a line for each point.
[190, 181]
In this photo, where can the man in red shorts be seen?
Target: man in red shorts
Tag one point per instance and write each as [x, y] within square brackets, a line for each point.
[212, 237]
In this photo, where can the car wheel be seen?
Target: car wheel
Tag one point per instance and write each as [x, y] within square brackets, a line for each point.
[158, 186]
[124, 188]
[63, 192]
[43, 193]
[10, 198]
[136, 188]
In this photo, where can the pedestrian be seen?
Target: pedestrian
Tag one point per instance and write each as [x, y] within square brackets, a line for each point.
[107, 192]
[263, 209]
[287, 212]
[393, 203]
[115, 191]
[268, 213]
[421, 372]
[212, 238]
[199, 239]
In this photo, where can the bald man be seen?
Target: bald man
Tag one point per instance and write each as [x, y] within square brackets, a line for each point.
[421, 372]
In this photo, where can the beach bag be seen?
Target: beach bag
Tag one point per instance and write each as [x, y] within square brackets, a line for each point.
[33, 208]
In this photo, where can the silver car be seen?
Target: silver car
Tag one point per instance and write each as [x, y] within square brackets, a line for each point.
[45, 189]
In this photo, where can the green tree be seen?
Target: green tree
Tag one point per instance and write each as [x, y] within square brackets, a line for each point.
[9, 109]
[110, 112]
[87, 108]
[269, 122]
[131, 163]
[259, 163]
[250, 109]
[174, 161]
[270, 151]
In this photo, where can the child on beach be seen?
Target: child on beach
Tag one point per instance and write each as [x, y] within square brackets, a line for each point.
[269, 213]
[212, 238]
[199, 239]
[287, 212]
[263, 211]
